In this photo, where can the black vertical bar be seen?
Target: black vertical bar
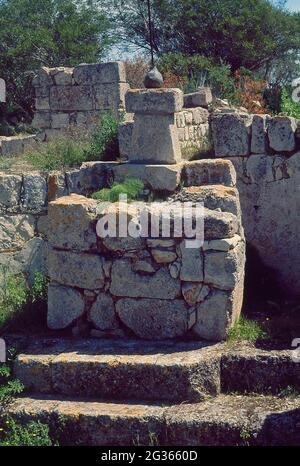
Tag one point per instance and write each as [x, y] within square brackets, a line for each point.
[150, 33]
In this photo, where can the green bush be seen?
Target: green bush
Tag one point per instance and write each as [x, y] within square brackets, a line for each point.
[104, 144]
[131, 187]
[246, 330]
[288, 106]
[200, 71]
[54, 155]
[20, 305]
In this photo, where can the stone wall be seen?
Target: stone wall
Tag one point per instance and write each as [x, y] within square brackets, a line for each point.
[265, 153]
[151, 288]
[77, 96]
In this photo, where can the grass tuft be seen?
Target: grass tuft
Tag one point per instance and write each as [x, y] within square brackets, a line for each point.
[246, 330]
[131, 187]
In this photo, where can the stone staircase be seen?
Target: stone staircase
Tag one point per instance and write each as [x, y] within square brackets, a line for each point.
[117, 392]
[175, 392]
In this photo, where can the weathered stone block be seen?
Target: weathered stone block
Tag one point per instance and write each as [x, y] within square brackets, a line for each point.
[15, 231]
[35, 191]
[201, 98]
[124, 136]
[223, 269]
[154, 319]
[42, 78]
[72, 223]
[125, 282]
[220, 224]
[102, 73]
[157, 177]
[217, 171]
[213, 316]
[65, 305]
[42, 103]
[231, 134]
[71, 98]
[194, 293]
[222, 244]
[59, 120]
[192, 264]
[10, 190]
[110, 96]
[76, 269]
[63, 76]
[281, 132]
[102, 313]
[154, 140]
[259, 139]
[154, 101]
[41, 120]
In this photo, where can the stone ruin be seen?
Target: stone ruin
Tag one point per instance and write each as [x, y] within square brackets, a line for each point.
[249, 181]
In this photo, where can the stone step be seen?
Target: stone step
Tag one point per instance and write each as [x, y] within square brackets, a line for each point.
[171, 371]
[225, 420]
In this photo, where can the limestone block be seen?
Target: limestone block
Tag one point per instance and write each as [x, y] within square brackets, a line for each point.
[160, 243]
[122, 245]
[41, 120]
[143, 266]
[281, 133]
[76, 269]
[194, 293]
[42, 78]
[42, 103]
[91, 177]
[65, 305]
[32, 258]
[72, 223]
[42, 92]
[212, 197]
[125, 282]
[57, 186]
[35, 191]
[223, 269]
[163, 256]
[154, 140]
[154, 101]
[71, 98]
[124, 136]
[154, 319]
[10, 190]
[213, 316]
[59, 120]
[259, 139]
[192, 264]
[220, 224]
[200, 115]
[110, 96]
[156, 177]
[231, 134]
[63, 76]
[221, 244]
[102, 313]
[201, 98]
[210, 171]
[11, 146]
[102, 73]
[15, 231]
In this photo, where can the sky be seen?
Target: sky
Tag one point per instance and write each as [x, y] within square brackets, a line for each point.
[293, 5]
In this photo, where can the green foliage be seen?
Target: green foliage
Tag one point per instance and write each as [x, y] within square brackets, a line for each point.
[32, 434]
[288, 106]
[246, 330]
[240, 33]
[104, 143]
[46, 33]
[9, 387]
[131, 187]
[198, 71]
[60, 153]
[20, 305]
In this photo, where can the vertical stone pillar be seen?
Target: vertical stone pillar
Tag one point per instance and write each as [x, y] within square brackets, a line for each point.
[154, 135]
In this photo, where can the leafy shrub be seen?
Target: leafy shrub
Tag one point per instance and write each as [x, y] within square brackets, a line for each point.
[9, 388]
[246, 330]
[288, 106]
[60, 153]
[131, 187]
[20, 305]
[104, 143]
[32, 434]
[250, 92]
[196, 70]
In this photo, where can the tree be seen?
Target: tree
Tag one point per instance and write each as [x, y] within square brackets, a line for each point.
[240, 33]
[35, 33]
